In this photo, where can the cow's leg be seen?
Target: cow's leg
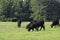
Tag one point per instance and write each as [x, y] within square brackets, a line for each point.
[43, 27]
[19, 24]
[40, 28]
[32, 29]
[51, 26]
[36, 28]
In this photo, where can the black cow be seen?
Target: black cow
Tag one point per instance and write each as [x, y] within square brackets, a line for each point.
[14, 20]
[35, 25]
[19, 23]
[55, 22]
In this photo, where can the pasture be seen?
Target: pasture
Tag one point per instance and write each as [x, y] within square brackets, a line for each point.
[10, 31]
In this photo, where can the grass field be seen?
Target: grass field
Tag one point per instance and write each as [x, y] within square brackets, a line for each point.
[10, 31]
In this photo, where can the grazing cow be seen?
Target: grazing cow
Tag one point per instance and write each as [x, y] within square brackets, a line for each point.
[55, 22]
[19, 22]
[35, 25]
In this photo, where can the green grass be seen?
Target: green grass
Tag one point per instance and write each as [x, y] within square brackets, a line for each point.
[10, 31]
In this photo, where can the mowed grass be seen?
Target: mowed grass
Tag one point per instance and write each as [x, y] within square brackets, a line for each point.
[10, 31]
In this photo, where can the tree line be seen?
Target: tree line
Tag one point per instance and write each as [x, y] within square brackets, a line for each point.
[29, 10]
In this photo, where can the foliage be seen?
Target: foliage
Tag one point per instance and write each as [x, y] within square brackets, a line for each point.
[52, 9]
[37, 8]
[29, 9]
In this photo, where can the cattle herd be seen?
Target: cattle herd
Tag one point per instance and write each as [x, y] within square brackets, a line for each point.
[36, 24]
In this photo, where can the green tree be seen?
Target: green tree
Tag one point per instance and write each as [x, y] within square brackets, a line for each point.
[23, 10]
[27, 10]
[37, 8]
[19, 10]
[52, 9]
[7, 9]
